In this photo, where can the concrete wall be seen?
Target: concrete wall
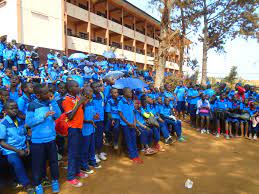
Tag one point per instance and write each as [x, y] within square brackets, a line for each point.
[8, 20]
[42, 23]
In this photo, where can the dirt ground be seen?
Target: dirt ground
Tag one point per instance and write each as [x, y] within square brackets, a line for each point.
[214, 165]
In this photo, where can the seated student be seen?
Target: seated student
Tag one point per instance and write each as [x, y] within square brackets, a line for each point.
[7, 77]
[88, 139]
[235, 107]
[146, 133]
[128, 124]
[98, 100]
[2, 70]
[166, 113]
[73, 107]
[203, 110]
[14, 144]
[14, 89]
[113, 118]
[4, 97]
[152, 93]
[220, 109]
[40, 117]
[148, 110]
[15, 71]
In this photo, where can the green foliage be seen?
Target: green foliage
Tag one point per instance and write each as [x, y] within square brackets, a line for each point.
[232, 76]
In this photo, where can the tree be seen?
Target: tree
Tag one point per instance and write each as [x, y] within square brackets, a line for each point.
[232, 76]
[165, 7]
[224, 20]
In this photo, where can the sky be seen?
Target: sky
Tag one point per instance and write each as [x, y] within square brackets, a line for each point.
[241, 53]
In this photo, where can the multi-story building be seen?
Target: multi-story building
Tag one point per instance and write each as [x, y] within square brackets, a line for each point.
[90, 26]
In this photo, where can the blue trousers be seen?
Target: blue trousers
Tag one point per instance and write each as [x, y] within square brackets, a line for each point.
[115, 129]
[130, 138]
[1, 59]
[99, 135]
[74, 148]
[88, 151]
[193, 113]
[177, 125]
[146, 136]
[19, 169]
[164, 129]
[40, 153]
[36, 64]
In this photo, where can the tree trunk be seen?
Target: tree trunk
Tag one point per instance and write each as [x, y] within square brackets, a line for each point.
[164, 43]
[182, 36]
[205, 46]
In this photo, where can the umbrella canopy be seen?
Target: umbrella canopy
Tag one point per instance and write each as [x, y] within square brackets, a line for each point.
[132, 83]
[109, 55]
[113, 74]
[77, 56]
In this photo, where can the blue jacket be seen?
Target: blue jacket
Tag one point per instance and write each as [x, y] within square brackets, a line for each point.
[42, 127]
[112, 107]
[89, 113]
[21, 55]
[23, 103]
[12, 135]
[99, 105]
[126, 107]
[8, 54]
[2, 47]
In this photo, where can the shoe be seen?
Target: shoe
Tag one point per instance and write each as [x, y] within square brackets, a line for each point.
[227, 137]
[97, 159]
[208, 131]
[203, 131]
[46, 182]
[181, 139]
[158, 148]
[55, 186]
[150, 151]
[255, 137]
[82, 175]
[30, 191]
[104, 153]
[75, 183]
[250, 137]
[168, 141]
[217, 135]
[116, 146]
[88, 171]
[102, 156]
[96, 166]
[137, 160]
[39, 189]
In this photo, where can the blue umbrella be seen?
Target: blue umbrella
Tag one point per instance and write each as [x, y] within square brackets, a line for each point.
[77, 56]
[113, 74]
[132, 83]
[109, 54]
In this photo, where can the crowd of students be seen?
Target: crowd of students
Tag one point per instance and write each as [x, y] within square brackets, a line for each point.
[33, 97]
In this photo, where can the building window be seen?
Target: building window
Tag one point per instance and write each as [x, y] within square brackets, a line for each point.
[115, 44]
[69, 32]
[83, 35]
[99, 39]
[101, 14]
[129, 48]
[83, 6]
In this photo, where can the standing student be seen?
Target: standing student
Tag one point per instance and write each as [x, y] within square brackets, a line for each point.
[14, 144]
[40, 117]
[193, 96]
[9, 56]
[21, 57]
[180, 94]
[128, 124]
[98, 99]
[73, 107]
[88, 139]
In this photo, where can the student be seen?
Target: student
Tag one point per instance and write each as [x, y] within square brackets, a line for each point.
[21, 57]
[8, 55]
[29, 71]
[88, 139]
[35, 57]
[107, 90]
[4, 97]
[193, 97]
[14, 144]
[2, 70]
[113, 118]
[180, 94]
[146, 133]
[2, 47]
[167, 115]
[7, 77]
[245, 124]
[210, 92]
[14, 88]
[40, 117]
[203, 110]
[51, 58]
[98, 100]
[128, 124]
[73, 106]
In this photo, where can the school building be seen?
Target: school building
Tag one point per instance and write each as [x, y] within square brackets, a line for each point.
[89, 26]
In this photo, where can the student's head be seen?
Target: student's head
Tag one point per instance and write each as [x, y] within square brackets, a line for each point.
[3, 38]
[127, 93]
[150, 100]
[22, 47]
[14, 81]
[151, 86]
[246, 101]
[247, 87]
[96, 86]
[4, 95]
[110, 81]
[208, 86]
[30, 67]
[162, 89]
[41, 91]
[181, 83]
[167, 101]
[13, 42]
[252, 88]
[88, 92]
[156, 89]
[167, 87]
[72, 87]
[213, 98]
[144, 100]
[55, 65]
[137, 104]
[11, 108]
[1, 66]
[222, 96]
[114, 93]
[8, 72]
[14, 68]
[52, 88]
[159, 100]
[62, 88]
[203, 97]
[27, 88]
[9, 45]
[1, 81]
[191, 85]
